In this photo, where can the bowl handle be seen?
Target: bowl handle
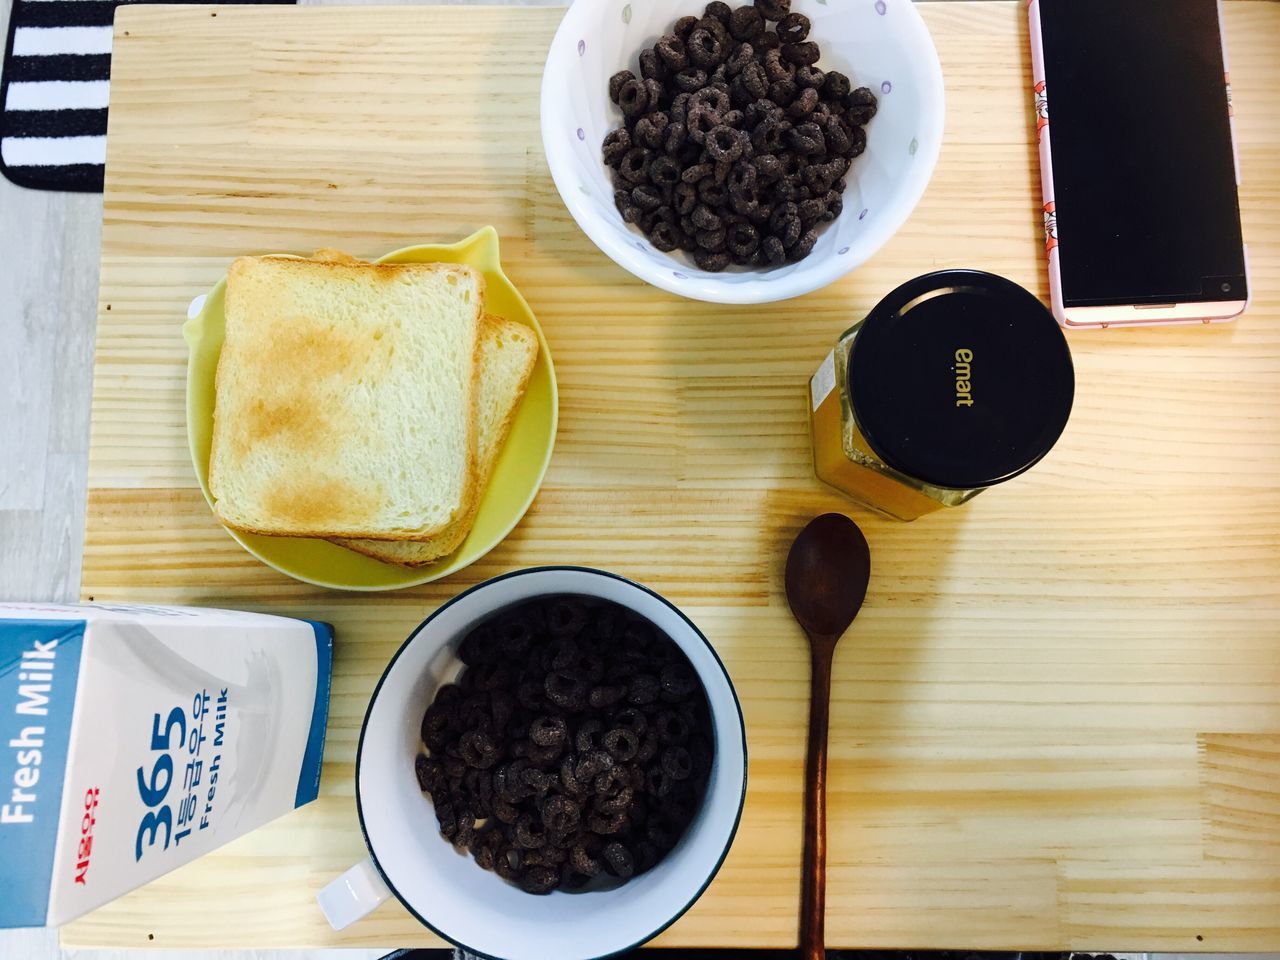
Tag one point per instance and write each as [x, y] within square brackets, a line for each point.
[353, 894]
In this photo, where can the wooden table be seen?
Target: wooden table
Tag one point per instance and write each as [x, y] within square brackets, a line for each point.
[1057, 721]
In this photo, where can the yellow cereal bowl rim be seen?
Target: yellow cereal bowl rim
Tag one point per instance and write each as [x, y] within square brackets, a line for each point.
[480, 250]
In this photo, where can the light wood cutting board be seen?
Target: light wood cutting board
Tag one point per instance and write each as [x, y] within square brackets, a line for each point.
[1057, 721]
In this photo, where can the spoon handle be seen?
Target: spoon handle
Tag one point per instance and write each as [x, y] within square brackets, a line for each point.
[813, 899]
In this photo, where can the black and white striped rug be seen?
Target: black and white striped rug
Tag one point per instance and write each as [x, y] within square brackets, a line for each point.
[57, 65]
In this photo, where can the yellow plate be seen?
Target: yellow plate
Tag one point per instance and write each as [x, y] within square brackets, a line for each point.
[516, 476]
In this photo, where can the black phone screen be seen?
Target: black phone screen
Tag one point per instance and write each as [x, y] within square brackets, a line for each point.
[1143, 173]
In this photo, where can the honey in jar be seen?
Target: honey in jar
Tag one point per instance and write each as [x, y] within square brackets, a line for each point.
[956, 381]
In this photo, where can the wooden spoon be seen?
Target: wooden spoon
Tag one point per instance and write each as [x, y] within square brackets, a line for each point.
[827, 573]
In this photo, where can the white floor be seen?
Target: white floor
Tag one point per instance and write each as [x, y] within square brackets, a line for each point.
[43, 945]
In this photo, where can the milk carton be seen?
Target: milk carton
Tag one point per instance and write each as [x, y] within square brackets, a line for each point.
[135, 738]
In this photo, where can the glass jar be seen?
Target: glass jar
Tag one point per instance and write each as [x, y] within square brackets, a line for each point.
[954, 382]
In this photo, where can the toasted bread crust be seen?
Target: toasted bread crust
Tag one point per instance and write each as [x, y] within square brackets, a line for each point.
[223, 433]
[451, 539]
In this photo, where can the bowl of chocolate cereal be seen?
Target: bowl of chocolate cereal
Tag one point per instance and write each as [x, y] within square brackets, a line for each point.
[552, 767]
[741, 154]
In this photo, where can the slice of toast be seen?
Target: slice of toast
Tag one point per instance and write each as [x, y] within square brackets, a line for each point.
[508, 352]
[345, 398]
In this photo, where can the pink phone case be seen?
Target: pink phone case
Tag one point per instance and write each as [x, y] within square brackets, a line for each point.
[1041, 99]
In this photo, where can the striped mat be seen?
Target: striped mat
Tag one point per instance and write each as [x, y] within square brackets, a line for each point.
[55, 90]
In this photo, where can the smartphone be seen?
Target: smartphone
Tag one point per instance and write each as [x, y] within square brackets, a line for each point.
[1137, 162]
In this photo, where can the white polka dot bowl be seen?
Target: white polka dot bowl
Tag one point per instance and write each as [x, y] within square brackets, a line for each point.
[881, 44]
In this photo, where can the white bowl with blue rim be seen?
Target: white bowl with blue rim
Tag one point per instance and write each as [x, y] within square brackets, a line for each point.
[446, 890]
[881, 44]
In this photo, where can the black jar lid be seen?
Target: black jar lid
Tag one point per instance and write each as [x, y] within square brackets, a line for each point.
[960, 379]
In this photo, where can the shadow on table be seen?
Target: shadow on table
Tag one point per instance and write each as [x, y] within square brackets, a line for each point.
[656, 953]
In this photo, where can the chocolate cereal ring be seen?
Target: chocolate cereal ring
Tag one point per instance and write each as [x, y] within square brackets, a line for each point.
[745, 23]
[633, 98]
[773, 9]
[793, 28]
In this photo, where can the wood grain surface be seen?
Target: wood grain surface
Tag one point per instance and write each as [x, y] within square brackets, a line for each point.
[1056, 722]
